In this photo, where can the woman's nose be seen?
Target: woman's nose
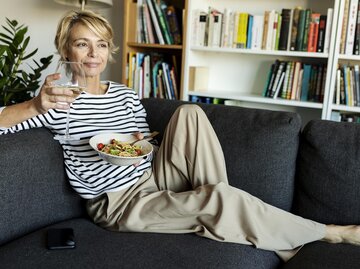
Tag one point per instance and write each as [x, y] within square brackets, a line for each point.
[93, 51]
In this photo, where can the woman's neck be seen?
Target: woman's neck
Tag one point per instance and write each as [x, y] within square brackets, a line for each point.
[94, 86]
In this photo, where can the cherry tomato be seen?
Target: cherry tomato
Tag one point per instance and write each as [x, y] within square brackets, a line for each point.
[138, 152]
[100, 146]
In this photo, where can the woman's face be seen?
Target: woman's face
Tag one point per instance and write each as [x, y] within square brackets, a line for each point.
[88, 48]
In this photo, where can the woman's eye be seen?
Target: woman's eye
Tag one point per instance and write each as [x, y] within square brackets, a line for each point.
[81, 45]
[103, 45]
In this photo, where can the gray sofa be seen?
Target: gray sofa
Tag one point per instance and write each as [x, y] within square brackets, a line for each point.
[313, 172]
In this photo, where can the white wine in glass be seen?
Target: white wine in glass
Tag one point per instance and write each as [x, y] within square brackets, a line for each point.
[72, 77]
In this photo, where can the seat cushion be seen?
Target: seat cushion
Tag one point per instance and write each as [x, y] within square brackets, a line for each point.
[327, 182]
[260, 146]
[98, 248]
[324, 255]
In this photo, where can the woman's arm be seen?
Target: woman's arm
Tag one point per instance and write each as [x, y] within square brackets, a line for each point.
[49, 97]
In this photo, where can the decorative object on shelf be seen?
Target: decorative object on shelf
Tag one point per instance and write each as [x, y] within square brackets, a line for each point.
[17, 84]
[86, 3]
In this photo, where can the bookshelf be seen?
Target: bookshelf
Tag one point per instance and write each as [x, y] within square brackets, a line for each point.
[132, 45]
[341, 57]
[240, 74]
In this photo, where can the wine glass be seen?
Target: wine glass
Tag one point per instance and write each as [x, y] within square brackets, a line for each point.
[72, 77]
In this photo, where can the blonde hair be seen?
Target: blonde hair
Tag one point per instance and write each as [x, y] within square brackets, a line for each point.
[95, 22]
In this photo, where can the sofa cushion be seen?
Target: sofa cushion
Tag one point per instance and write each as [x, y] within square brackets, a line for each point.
[260, 146]
[98, 248]
[327, 183]
[34, 191]
[324, 255]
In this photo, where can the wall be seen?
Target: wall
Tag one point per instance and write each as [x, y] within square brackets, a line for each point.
[42, 16]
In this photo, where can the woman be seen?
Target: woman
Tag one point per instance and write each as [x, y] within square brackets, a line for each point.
[184, 189]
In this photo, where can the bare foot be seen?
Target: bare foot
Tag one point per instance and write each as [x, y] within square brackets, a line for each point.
[343, 234]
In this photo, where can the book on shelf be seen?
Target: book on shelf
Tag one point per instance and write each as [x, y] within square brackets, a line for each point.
[285, 29]
[145, 71]
[357, 33]
[305, 34]
[257, 32]
[162, 20]
[313, 32]
[207, 100]
[214, 22]
[174, 25]
[351, 25]
[296, 29]
[320, 46]
[347, 90]
[293, 80]
[242, 30]
[157, 22]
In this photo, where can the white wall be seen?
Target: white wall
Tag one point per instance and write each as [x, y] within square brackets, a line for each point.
[42, 16]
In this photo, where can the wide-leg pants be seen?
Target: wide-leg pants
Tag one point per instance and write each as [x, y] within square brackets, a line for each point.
[187, 191]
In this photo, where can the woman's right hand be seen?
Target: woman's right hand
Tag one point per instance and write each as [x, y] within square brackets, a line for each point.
[51, 97]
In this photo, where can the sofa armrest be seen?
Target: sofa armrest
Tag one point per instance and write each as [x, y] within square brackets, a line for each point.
[34, 190]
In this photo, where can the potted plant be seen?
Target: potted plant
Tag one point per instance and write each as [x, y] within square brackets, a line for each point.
[16, 83]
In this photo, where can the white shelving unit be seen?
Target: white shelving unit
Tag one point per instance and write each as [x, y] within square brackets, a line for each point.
[339, 58]
[241, 74]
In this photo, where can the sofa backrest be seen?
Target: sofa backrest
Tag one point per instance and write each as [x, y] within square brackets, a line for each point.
[328, 174]
[34, 190]
[260, 146]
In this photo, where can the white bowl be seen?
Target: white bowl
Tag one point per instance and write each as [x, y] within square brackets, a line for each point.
[105, 138]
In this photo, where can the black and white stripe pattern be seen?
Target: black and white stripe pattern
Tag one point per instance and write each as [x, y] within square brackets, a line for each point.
[119, 110]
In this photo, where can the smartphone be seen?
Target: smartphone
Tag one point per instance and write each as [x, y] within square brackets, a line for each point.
[60, 238]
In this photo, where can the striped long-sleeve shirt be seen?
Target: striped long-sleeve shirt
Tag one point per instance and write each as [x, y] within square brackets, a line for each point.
[119, 110]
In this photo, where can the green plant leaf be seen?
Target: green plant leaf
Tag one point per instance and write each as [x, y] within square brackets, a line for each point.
[19, 36]
[25, 44]
[30, 55]
[6, 37]
[17, 84]
[10, 31]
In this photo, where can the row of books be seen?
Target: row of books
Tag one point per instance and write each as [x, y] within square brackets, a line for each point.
[295, 29]
[345, 116]
[350, 31]
[206, 100]
[294, 80]
[153, 75]
[347, 90]
[157, 23]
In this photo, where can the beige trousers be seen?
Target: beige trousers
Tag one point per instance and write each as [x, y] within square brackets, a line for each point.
[187, 192]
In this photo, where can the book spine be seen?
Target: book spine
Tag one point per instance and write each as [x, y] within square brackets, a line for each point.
[257, 32]
[305, 34]
[300, 30]
[162, 22]
[155, 22]
[265, 29]
[321, 36]
[314, 32]
[357, 33]
[294, 28]
[291, 81]
[285, 28]
[173, 22]
[344, 26]
[242, 30]
[286, 80]
[250, 25]
[329, 23]
[350, 35]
